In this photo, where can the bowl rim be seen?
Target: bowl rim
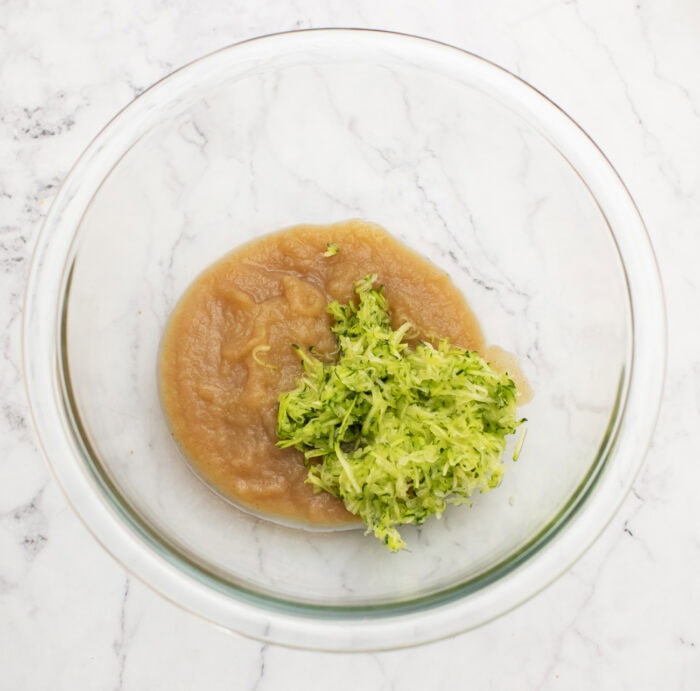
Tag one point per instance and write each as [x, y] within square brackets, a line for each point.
[328, 628]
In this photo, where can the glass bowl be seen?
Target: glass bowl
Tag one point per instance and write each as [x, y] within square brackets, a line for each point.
[463, 162]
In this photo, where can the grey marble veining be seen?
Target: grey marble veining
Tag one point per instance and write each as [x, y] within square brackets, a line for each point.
[625, 616]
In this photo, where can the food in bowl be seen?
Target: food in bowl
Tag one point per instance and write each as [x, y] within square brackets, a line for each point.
[481, 174]
[423, 421]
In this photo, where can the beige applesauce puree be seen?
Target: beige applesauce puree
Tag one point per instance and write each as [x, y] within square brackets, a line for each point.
[227, 351]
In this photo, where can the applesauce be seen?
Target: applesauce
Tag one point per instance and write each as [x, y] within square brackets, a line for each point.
[227, 351]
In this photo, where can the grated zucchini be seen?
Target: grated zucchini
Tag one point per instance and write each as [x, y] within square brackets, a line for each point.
[397, 433]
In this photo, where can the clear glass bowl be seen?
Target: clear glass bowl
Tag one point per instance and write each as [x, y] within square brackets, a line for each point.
[463, 162]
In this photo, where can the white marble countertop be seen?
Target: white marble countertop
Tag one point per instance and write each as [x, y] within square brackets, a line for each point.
[626, 616]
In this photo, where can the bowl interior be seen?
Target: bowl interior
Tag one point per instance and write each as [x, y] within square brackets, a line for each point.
[321, 134]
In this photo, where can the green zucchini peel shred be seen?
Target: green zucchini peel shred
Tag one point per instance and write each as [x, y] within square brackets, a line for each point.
[397, 433]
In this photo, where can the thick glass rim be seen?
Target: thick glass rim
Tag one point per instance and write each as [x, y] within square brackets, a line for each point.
[179, 578]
